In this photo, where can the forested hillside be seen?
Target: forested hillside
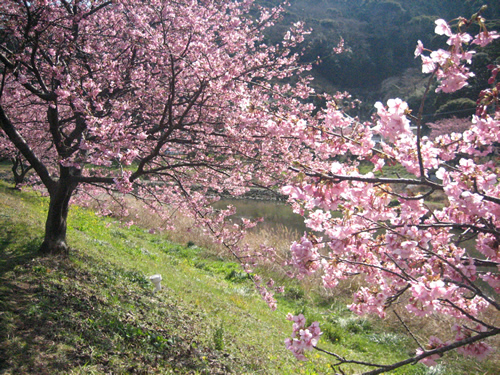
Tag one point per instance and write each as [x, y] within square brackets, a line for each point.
[381, 36]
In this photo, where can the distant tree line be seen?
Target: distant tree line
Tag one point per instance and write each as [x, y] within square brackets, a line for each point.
[380, 36]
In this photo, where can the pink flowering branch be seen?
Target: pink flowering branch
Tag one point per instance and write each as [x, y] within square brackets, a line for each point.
[469, 316]
[402, 245]
[372, 180]
[470, 284]
[428, 353]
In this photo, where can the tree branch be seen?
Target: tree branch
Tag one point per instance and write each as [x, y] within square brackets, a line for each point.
[335, 178]
[385, 368]
[442, 350]
[17, 139]
[48, 96]
[96, 9]
[408, 330]
[419, 126]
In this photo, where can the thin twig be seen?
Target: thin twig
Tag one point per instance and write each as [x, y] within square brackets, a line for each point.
[408, 330]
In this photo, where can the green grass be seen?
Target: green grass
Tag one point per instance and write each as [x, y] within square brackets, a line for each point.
[94, 312]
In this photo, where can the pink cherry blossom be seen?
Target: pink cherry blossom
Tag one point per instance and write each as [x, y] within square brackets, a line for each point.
[434, 343]
[419, 49]
[442, 27]
[485, 37]
[303, 339]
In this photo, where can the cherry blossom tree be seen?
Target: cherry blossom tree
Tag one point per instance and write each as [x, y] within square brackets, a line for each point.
[404, 248]
[172, 102]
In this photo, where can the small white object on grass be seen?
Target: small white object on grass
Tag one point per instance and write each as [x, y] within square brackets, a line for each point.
[156, 280]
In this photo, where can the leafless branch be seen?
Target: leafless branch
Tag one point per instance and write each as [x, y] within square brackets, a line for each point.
[408, 330]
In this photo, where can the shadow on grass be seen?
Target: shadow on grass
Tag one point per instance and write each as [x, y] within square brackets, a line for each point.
[57, 316]
[17, 246]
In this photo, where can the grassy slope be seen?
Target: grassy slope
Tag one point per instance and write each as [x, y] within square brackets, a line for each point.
[94, 312]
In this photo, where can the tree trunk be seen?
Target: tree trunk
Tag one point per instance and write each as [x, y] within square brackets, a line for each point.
[56, 225]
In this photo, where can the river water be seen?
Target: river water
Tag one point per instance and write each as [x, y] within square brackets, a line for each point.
[274, 213]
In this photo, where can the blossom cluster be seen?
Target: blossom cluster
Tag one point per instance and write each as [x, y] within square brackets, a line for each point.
[478, 350]
[448, 65]
[265, 291]
[303, 338]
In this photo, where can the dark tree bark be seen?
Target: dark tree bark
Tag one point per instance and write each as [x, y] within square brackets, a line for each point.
[60, 191]
[19, 170]
[56, 224]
